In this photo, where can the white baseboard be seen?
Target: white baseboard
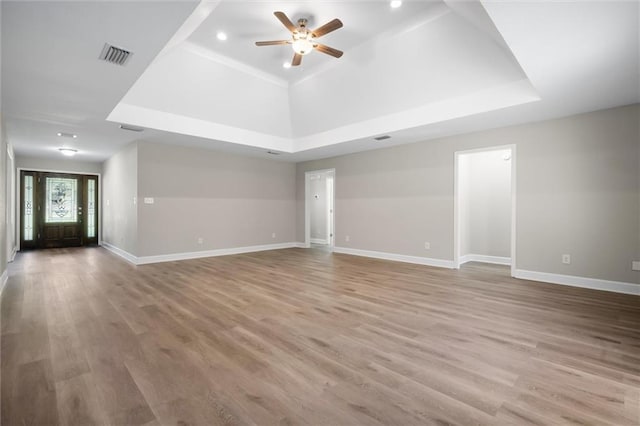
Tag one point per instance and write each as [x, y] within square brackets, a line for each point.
[318, 241]
[592, 283]
[122, 253]
[497, 260]
[3, 280]
[143, 260]
[302, 245]
[396, 257]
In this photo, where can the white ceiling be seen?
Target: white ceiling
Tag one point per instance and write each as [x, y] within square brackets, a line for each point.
[425, 70]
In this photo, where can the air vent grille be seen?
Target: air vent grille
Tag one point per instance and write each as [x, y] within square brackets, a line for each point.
[381, 138]
[131, 128]
[114, 55]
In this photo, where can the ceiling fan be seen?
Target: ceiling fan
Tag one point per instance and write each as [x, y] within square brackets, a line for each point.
[303, 40]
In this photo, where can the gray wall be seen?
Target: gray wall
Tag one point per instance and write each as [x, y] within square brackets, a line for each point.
[119, 203]
[485, 203]
[318, 219]
[578, 193]
[61, 164]
[227, 200]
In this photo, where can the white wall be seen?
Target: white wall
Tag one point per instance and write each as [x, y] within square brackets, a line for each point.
[119, 200]
[61, 164]
[578, 193]
[318, 206]
[485, 202]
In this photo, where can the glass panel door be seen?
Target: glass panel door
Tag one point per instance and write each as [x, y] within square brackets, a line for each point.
[61, 200]
[58, 210]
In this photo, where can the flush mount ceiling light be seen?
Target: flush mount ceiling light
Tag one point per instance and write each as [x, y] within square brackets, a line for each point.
[222, 36]
[67, 135]
[303, 40]
[69, 152]
[395, 4]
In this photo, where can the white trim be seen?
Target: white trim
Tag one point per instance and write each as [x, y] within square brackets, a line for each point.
[143, 260]
[307, 206]
[497, 260]
[3, 280]
[301, 245]
[211, 253]
[514, 216]
[457, 244]
[122, 253]
[440, 263]
[570, 280]
[12, 254]
[70, 172]
[318, 241]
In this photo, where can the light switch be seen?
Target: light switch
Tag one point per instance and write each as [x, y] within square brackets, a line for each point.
[148, 200]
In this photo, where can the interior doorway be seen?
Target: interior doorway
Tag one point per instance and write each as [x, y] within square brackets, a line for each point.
[485, 206]
[58, 210]
[319, 209]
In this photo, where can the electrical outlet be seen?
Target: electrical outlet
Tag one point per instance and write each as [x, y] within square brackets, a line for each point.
[427, 246]
[566, 259]
[273, 235]
[200, 240]
[635, 265]
[347, 238]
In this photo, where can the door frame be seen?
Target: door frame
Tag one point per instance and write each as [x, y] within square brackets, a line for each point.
[457, 244]
[307, 207]
[18, 206]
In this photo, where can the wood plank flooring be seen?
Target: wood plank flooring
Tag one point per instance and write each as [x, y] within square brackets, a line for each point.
[308, 337]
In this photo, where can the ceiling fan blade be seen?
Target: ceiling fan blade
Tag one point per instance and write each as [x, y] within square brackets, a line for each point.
[327, 28]
[272, 42]
[329, 50]
[285, 21]
[297, 60]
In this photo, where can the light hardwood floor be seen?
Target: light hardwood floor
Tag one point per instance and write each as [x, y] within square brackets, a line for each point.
[306, 337]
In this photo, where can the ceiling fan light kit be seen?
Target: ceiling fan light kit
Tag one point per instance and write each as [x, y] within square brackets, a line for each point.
[303, 40]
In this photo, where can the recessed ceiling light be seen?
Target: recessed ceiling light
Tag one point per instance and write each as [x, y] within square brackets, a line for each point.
[286, 65]
[69, 152]
[67, 135]
[395, 4]
[221, 36]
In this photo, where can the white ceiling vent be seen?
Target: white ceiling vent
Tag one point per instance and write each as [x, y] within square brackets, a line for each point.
[115, 55]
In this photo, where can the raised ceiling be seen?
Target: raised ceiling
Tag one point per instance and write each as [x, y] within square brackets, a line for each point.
[424, 70]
